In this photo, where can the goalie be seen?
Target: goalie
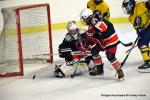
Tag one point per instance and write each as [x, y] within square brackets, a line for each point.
[72, 53]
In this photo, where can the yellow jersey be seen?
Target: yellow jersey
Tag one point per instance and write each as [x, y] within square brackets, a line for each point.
[102, 7]
[141, 12]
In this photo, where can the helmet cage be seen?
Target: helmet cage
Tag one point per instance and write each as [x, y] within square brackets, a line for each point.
[85, 16]
[86, 20]
[72, 27]
[127, 7]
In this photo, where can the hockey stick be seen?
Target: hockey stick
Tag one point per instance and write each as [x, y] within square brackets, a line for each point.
[74, 73]
[46, 54]
[40, 73]
[130, 49]
[129, 52]
[126, 44]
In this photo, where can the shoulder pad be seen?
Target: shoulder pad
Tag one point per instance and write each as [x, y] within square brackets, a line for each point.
[140, 8]
[68, 37]
[101, 26]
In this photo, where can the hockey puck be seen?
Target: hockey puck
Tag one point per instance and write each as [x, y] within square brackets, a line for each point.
[33, 77]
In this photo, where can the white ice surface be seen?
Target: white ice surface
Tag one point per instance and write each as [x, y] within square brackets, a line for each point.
[45, 87]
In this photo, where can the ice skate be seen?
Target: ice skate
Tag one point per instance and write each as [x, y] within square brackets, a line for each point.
[92, 71]
[99, 70]
[120, 74]
[144, 68]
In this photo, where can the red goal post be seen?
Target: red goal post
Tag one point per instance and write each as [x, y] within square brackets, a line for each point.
[26, 38]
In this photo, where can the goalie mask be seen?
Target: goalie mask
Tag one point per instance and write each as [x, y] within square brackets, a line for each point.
[86, 16]
[128, 6]
[73, 28]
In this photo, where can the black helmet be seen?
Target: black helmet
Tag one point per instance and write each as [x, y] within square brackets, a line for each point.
[128, 6]
[98, 1]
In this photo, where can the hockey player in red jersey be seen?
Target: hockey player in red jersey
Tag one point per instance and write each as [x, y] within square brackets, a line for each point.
[104, 32]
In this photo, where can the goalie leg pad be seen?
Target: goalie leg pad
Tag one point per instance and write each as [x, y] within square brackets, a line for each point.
[66, 70]
[58, 73]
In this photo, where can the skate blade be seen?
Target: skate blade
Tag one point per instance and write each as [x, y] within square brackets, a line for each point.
[121, 79]
[96, 76]
[144, 70]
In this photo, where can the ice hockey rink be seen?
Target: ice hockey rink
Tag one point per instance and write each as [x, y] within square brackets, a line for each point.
[136, 86]
[107, 87]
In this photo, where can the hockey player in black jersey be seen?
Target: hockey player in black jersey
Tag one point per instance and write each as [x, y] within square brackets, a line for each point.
[72, 53]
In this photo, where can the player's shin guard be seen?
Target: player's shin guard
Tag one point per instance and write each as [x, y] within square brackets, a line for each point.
[145, 54]
[116, 64]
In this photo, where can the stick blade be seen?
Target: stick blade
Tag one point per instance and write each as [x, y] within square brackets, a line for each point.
[129, 44]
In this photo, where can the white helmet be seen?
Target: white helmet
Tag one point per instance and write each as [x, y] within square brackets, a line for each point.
[72, 26]
[84, 15]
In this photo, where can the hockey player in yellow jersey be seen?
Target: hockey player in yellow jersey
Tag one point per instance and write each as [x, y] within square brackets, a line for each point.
[101, 6]
[140, 18]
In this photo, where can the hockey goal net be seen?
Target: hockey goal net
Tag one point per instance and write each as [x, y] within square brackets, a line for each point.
[26, 38]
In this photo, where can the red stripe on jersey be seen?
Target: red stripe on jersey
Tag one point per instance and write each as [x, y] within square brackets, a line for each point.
[111, 40]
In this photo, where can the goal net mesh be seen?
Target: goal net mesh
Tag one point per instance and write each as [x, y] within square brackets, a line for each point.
[35, 44]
